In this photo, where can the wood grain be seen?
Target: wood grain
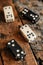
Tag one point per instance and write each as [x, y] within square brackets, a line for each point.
[11, 31]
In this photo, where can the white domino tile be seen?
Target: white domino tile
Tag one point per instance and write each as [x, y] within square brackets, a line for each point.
[28, 33]
[8, 13]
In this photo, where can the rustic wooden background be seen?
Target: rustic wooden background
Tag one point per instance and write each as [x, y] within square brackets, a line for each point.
[11, 31]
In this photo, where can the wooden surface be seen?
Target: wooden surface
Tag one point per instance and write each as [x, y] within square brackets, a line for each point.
[11, 31]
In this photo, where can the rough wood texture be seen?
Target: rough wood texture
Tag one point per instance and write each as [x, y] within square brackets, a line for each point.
[11, 31]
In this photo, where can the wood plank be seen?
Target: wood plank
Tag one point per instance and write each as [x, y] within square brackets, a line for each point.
[0, 62]
[32, 5]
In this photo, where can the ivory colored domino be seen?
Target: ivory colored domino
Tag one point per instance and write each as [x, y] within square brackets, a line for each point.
[28, 33]
[8, 13]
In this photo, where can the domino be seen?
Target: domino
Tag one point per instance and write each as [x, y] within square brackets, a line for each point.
[29, 15]
[27, 32]
[16, 50]
[8, 13]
